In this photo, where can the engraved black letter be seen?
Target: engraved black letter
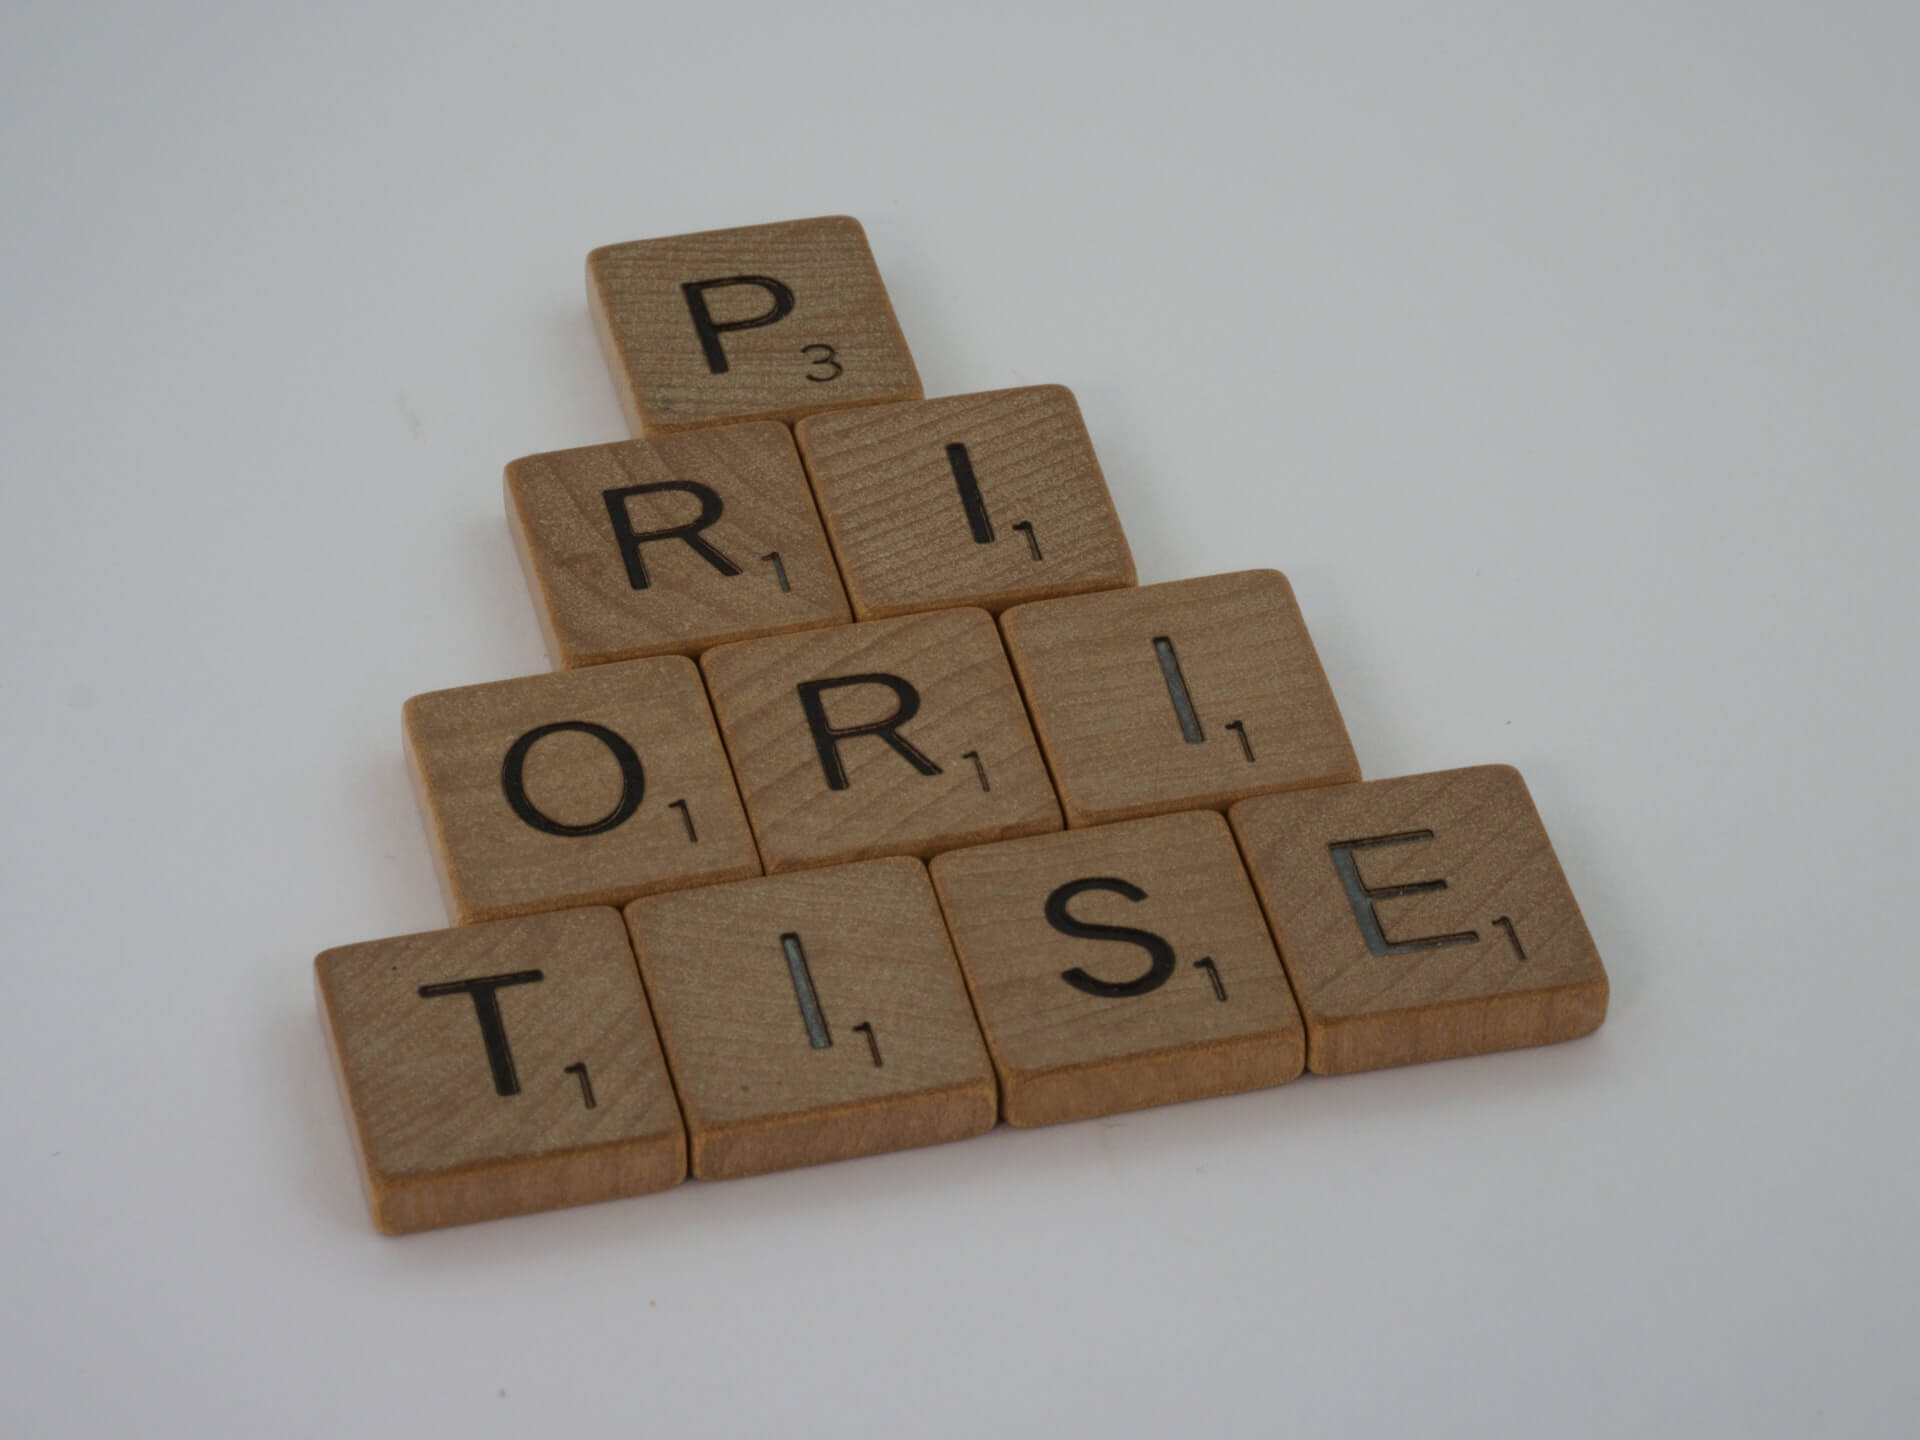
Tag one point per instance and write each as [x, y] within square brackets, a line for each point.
[493, 1030]
[710, 330]
[811, 1015]
[827, 740]
[633, 780]
[1361, 898]
[971, 500]
[630, 540]
[1157, 973]
[1177, 691]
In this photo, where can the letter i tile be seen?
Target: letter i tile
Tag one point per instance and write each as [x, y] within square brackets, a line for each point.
[813, 1017]
[988, 500]
[1181, 696]
[1422, 918]
[1119, 967]
[498, 1069]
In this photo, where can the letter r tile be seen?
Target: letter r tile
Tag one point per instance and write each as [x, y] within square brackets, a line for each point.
[1180, 696]
[1119, 967]
[587, 787]
[765, 322]
[894, 737]
[1422, 918]
[671, 545]
[498, 1069]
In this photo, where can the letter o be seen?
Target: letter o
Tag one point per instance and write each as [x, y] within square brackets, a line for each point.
[633, 779]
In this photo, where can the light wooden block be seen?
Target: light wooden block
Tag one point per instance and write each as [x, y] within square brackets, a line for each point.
[988, 500]
[813, 1017]
[589, 787]
[1422, 918]
[1120, 967]
[498, 1069]
[671, 546]
[765, 322]
[895, 737]
[1181, 696]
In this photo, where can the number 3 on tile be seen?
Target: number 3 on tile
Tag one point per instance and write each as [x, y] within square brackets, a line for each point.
[825, 360]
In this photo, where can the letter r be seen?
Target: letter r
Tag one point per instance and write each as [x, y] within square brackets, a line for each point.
[826, 738]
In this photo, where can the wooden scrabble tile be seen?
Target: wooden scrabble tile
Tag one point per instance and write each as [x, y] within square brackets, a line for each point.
[589, 787]
[895, 737]
[498, 1069]
[1181, 696]
[1422, 918]
[813, 1017]
[671, 545]
[766, 322]
[985, 500]
[1119, 967]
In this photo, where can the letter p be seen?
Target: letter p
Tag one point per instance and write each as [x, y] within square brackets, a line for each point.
[710, 330]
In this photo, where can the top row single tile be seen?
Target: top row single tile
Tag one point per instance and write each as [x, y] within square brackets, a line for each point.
[765, 322]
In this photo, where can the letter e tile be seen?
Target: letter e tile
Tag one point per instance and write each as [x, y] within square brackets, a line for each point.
[1422, 918]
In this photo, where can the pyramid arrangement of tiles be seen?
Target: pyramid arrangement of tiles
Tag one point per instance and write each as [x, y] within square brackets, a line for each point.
[922, 813]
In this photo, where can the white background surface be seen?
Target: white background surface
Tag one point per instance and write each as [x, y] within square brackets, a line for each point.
[1564, 356]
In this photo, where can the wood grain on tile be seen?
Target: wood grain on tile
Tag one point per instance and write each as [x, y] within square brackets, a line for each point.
[1422, 918]
[813, 1017]
[1119, 967]
[895, 737]
[765, 322]
[498, 1069]
[589, 787]
[987, 500]
[671, 546]
[1180, 696]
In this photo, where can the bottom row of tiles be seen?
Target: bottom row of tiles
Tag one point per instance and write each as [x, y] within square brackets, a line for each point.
[524, 1064]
